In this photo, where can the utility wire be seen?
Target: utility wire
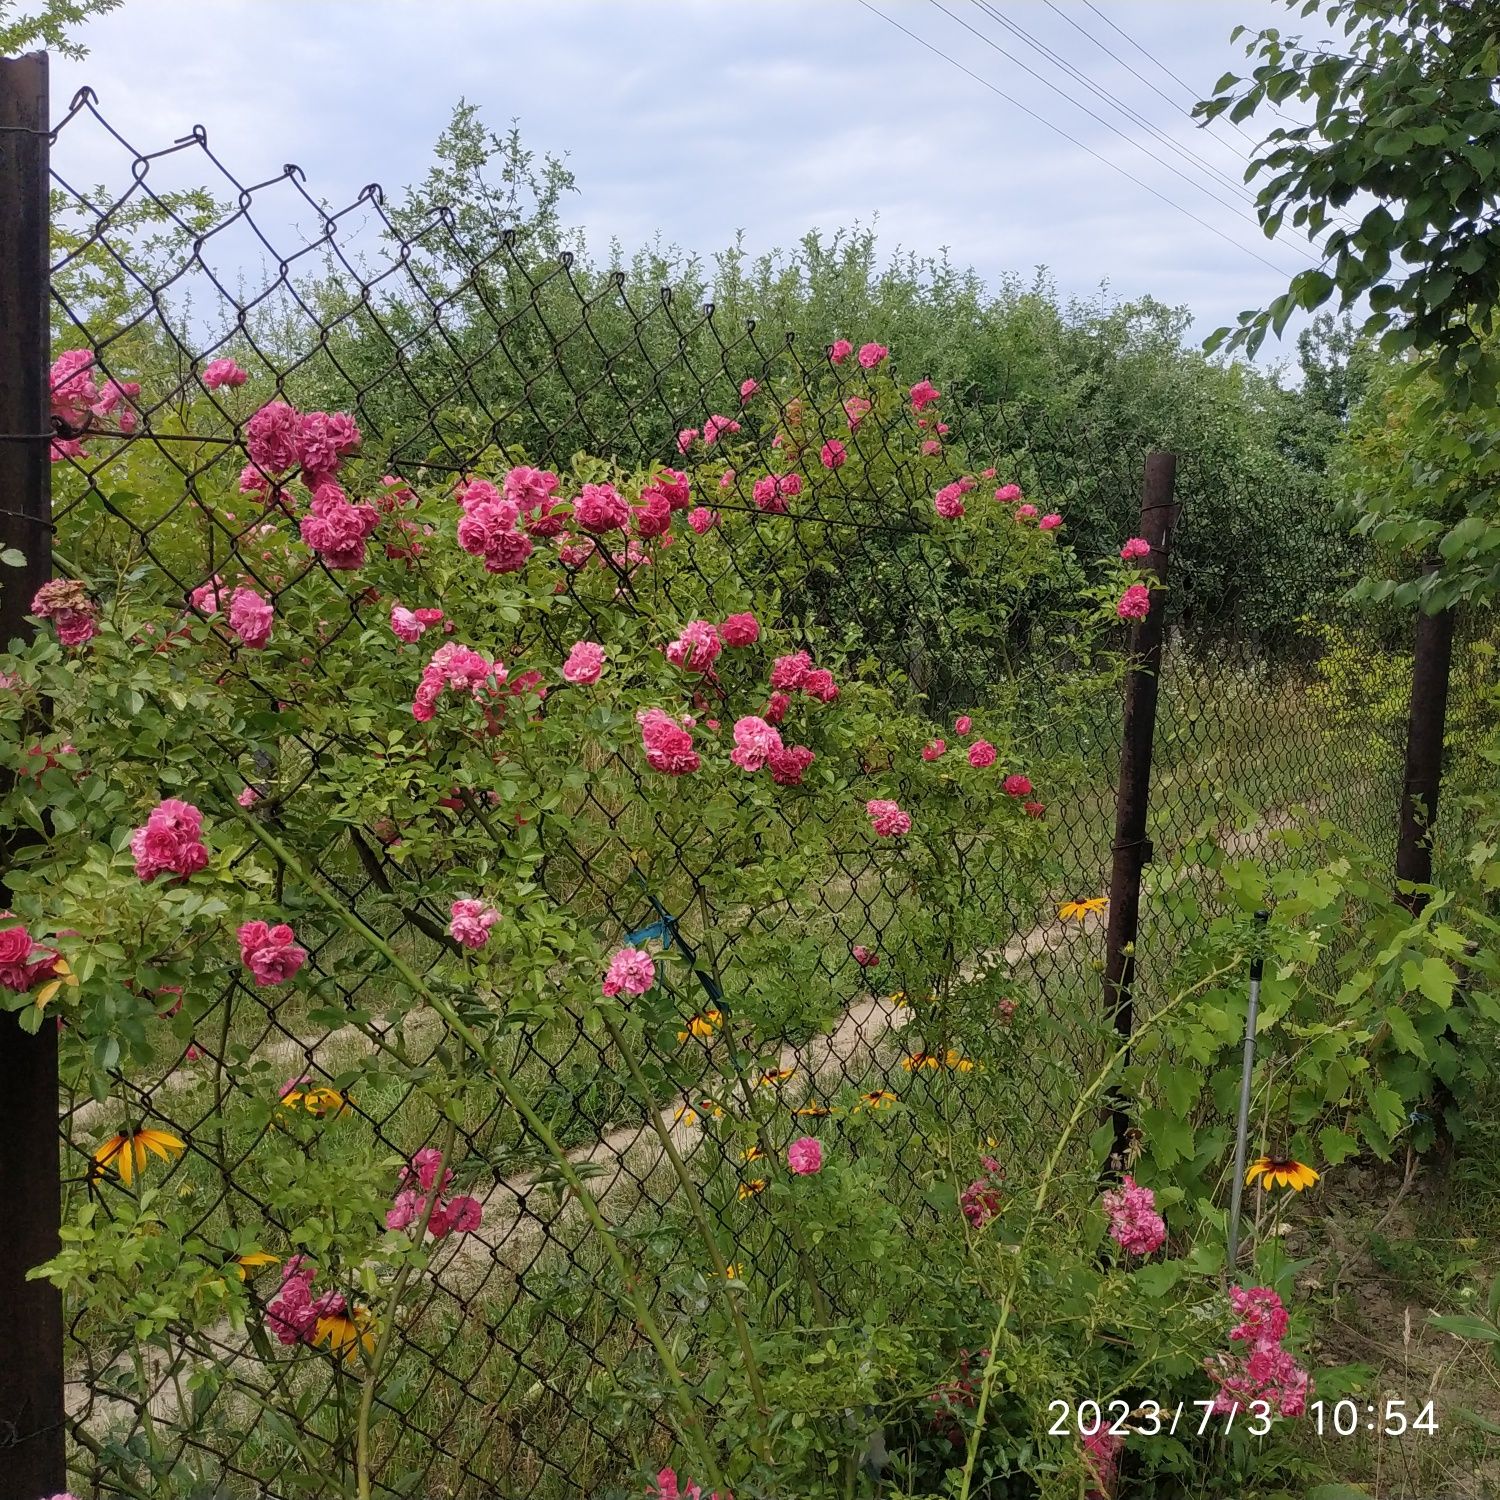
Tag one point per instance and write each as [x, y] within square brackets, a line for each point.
[1234, 184]
[1240, 208]
[1072, 139]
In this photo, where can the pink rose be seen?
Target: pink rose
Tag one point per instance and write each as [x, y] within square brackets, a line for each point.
[1025, 512]
[962, 725]
[923, 393]
[1008, 492]
[1135, 548]
[585, 662]
[221, 372]
[754, 742]
[1049, 522]
[1017, 786]
[686, 439]
[703, 520]
[740, 630]
[981, 754]
[805, 1156]
[834, 454]
[471, 922]
[251, 618]
[887, 818]
[934, 750]
[601, 508]
[270, 953]
[839, 351]
[1135, 603]
[871, 355]
[271, 437]
[747, 389]
[696, 648]
[866, 958]
[631, 972]
[170, 842]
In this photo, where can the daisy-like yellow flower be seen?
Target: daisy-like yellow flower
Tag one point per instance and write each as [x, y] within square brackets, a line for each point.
[685, 1114]
[1279, 1172]
[711, 1109]
[774, 1077]
[751, 1188]
[320, 1103]
[731, 1272]
[914, 1062]
[702, 1027]
[752, 1153]
[898, 999]
[1076, 911]
[346, 1332]
[812, 1110]
[248, 1265]
[958, 1062]
[879, 1099]
[128, 1152]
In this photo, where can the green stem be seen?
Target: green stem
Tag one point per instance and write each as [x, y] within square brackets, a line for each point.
[692, 1427]
[794, 1231]
[987, 1383]
[388, 1328]
[705, 1231]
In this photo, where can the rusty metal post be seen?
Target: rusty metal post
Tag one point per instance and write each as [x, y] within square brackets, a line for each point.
[32, 1456]
[1132, 849]
[1432, 659]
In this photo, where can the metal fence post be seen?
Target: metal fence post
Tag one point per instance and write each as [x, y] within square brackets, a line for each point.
[32, 1456]
[1132, 849]
[1432, 658]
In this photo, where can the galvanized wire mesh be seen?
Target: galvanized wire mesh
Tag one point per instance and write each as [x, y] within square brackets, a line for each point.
[519, 1378]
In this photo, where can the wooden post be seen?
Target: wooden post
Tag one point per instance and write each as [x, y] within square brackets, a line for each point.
[32, 1455]
[1132, 850]
[1432, 659]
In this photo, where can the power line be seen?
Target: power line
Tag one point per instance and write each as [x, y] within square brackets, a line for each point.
[1201, 163]
[1237, 208]
[1071, 139]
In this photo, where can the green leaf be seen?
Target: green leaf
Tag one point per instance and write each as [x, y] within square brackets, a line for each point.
[1336, 1146]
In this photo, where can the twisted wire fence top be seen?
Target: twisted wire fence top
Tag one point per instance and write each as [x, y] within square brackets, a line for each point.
[456, 358]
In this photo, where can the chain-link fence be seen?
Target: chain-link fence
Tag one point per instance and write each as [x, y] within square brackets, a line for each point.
[518, 1376]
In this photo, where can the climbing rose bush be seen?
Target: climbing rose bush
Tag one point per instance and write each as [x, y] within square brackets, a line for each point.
[476, 759]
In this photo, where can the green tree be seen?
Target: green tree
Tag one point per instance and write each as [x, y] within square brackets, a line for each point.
[1406, 112]
[50, 26]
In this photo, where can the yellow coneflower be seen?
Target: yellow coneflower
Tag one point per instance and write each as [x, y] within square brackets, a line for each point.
[774, 1076]
[812, 1110]
[685, 1114]
[702, 1027]
[320, 1102]
[879, 1099]
[1076, 911]
[752, 1153]
[751, 1188]
[731, 1272]
[1280, 1171]
[128, 1152]
[958, 1062]
[915, 1061]
[248, 1265]
[346, 1332]
[898, 999]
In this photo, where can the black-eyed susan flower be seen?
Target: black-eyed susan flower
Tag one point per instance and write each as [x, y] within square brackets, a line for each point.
[685, 1115]
[346, 1332]
[878, 1099]
[128, 1152]
[731, 1272]
[256, 1260]
[751, 1188]
[702, 1026]
[752, 1153]
[1076, 911]
[1281, 1172]
[812, 1110]
[319, 1102]
[711, 1109]
[774, 1077]
[955, 1060]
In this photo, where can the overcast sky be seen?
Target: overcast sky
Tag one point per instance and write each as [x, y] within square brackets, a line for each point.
[701, 118]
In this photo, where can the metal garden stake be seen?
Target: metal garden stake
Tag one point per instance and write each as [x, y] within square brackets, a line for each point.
[1242, 1126]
